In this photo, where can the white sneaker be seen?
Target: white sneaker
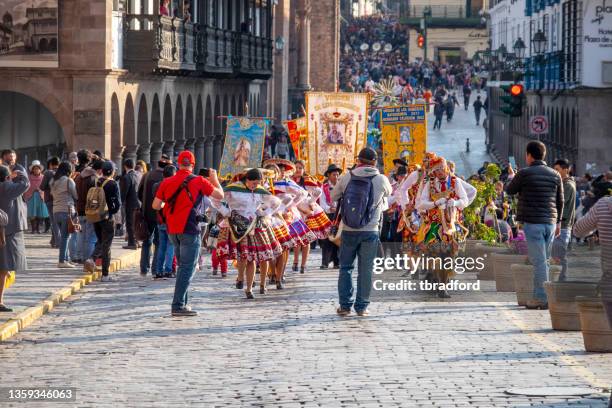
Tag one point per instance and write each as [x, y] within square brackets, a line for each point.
[65, 265]
[107, 278]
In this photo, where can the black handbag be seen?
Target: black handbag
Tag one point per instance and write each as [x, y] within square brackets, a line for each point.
[240, 226]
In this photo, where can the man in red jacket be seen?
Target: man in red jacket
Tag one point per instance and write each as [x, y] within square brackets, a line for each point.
[180, 196]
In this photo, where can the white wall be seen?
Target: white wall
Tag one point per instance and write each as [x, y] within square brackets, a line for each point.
[596, 42]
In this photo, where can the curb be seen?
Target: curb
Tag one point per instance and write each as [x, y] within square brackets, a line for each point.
[33, 313]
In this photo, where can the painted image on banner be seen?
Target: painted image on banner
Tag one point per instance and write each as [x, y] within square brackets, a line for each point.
[244, 143]
[404, 134]
[337, 126]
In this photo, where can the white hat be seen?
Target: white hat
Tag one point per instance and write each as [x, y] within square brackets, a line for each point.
[35, 163]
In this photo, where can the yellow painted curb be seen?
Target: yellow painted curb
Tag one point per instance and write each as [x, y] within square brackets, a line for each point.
[33, 313]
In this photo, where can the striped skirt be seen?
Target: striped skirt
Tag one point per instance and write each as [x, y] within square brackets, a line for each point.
[301, 233]
[258, 246]
[319, 224]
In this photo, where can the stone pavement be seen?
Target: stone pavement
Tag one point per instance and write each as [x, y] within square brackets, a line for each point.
[117, 344]
[450, 141]
[43, 278]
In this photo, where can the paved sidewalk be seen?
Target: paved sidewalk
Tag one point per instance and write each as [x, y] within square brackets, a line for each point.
[117, 344]
[43, 278]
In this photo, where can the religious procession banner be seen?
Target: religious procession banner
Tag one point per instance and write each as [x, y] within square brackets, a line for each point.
[404, 134]
[302, 153]
[337, 127]
[294, 135]
[244, 145]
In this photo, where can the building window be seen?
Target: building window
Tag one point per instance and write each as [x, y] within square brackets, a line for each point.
[571, 42]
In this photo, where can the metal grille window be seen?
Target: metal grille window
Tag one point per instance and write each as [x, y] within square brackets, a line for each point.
[571, 42]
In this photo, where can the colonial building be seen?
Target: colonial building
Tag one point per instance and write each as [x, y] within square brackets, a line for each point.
[567, 71]
[142, 78]
[455, 29]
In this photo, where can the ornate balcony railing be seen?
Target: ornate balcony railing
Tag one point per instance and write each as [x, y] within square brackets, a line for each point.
[160, 43]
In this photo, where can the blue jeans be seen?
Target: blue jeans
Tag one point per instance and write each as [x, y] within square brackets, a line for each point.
[61, 220]
[73, 246]
[559, 250]
[187, 249]
[54, 229]
[539, 245]
[87, 239]
[165, 251]
[364, 246]
[145, 254]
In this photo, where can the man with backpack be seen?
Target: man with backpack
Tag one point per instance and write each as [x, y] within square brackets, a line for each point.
[103, 201]
[363, 192]
[180, 196]
[85, 180]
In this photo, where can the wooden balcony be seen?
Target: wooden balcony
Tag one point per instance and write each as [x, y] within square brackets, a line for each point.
[158, 43]
[169, 45]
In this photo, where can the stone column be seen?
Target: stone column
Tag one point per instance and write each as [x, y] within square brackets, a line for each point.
[199, 153]
[156, 152]
[217, 151]
[190, 145]
[304, 44]
[168, 149]
[130, 152]
[179, 146]
[209, 151]
[144, 153]
[118, 159]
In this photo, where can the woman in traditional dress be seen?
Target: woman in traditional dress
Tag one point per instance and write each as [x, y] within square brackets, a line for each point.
[318, 220]
[251, 241]
[37, 210]
[287, 194]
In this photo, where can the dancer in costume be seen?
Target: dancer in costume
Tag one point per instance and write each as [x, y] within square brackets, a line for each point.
[251, 239]
[441, 200]
[307, 211]
[288, 192]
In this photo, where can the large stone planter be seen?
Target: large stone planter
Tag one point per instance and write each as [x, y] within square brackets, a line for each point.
[523, 281]
[504, 279]
[562, 305]
[485, 251]
[470, 246]
[596, 331]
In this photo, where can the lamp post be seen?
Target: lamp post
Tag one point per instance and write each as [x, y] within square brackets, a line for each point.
[539, 42]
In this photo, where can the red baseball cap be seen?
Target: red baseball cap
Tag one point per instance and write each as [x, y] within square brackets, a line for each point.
[186, 158]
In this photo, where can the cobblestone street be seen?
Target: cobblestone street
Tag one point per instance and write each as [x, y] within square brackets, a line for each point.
[117, 344]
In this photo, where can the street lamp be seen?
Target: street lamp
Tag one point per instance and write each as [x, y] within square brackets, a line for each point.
[279, 43]
[539, 42]
[486, 57]
[502, 53]
[519, 48]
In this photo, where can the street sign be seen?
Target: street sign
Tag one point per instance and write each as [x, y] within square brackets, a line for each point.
[538, 125]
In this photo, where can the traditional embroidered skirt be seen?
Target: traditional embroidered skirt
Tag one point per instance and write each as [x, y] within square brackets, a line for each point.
[300, 231]
[282, 234]
[258, 246]
[36, 207]
[319, 224]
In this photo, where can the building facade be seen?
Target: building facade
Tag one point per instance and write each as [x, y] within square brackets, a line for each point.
[569, 81]
[455, 29]
[139, 78]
